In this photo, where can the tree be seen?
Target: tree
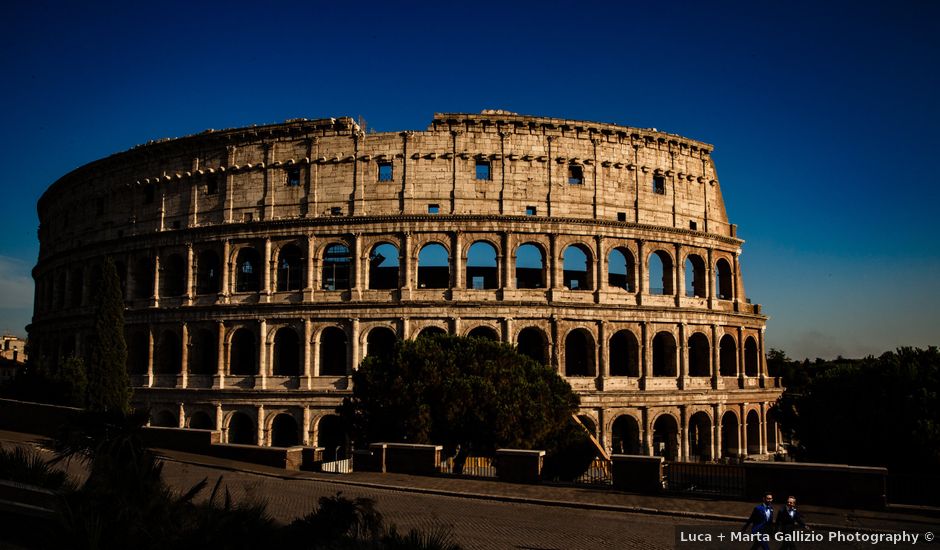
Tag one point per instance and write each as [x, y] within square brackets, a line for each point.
[108, 384]
[467, 394]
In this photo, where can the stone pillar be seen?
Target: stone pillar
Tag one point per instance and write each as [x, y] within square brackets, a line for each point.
[262, 432]
[406, 264]
[507, 330]
[684, 444]
[734, 280]
[357, 264]
[305, 429]
[308, 364]
[309, 285]
[763, 428]
[716, 429]
[316, 354]
[680, 276]
[405, 328]
[149, 356]
[647, 432]
[641, 271]
[601, 278]
[602, 355]
[740, 354]
[267, 268]
[218, 416]
[508, 281]
[742, 430]
[454, 323]
[710, 280]
[155, 297]
[683, 357]
[762, 358]
[354, 341]
[190, 272]
[222, 359]
[552, 262]
[226, 269]
[184, 352]
[456, 260]
[182, 415]
[716, 359]
[262, 354]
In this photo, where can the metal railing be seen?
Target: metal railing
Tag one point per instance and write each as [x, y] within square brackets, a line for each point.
[712, 479]
[598, 473]
[477, 466]
[337, 466]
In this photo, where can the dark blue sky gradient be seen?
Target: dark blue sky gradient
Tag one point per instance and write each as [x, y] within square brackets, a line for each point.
[823, 114]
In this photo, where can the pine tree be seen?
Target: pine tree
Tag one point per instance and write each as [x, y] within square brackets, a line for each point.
[108, 384]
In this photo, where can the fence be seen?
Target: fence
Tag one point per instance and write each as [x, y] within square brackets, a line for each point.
[477, 466]
[711, 479]
[337, 466]
[598, 473]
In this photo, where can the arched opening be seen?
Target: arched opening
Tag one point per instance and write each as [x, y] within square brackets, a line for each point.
[173, 276]
[482, 266]
[165, 419]
[336, 267]
[699, 353]
[660, 270]
[579, 353]
[727, 356]
[694, 276]
[723, 279]
[588, 424]
[433, 266]
[620, 269]
[753, 432]
[333, 352]
[625, 436]
[143, 278]
[428, 332]
[484, 333]
[243, 357]
[624, 356]
[700, 437]
[76, 287]
[577, 268]
[286, 352]
[666, 437]
[383, 267]
[530, 266]
[729, 435]
[200, 420]
[290, 268]
[203, 356]
[168, 354]
[664, 354]
[531, 342]
[284, 431]
[208, 273]
[381, 342]
[332, 437]
[242, 430]
[772, 430]
[248, 271]
[751, 365]
[138, 343]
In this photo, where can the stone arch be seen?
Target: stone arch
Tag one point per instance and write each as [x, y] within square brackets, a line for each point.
[165, 419]
[700, 437]
[664, 354]
[142, 277]
[203, 356]
[290, 268]
[695, 276]
[208, 273]
[337, 267]
[384, 267]
[625, 435]
[624, 354]
[532, 342]
[482, 270]
[666, 437]
[138, 343]
[660, 273]
[331, 435]
[727, 356]
[723, 282]
[579, 353]
[621, 272]
[751, 359]
[699, 355]
[168, 353]
[484, 332]
[752, 431]
[248, 270]
[285, 432]
[577, 271]
[433, 266]
[288, 356]
[530, 266]
[431, 331]
[243, 353]
[333, 349]
[173, 276]
[200, 420]
[241, 429]
[381, 342]
[729, 434]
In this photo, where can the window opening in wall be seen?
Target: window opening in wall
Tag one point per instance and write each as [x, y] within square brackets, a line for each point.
[693, 226]
[385, 171]
[336, 267]
[248, 216]
[575, 175]
[483, 170]
[482, 266]
[621, 216]
[530, 267]
[148, 194]
[176, 224]
[336, 211]
[577, 268]
[293, 177]
[212, 185]
[620, 269]
[383, 267]
[433, 266]
[530, 211]
[478, 283]
[434, 209]
[659, 185]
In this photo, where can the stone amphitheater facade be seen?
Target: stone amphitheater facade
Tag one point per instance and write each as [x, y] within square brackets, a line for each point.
[261, 264]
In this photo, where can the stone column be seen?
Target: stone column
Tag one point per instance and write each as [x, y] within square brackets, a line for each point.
[218, 416]
[354, 341]
[316, 355]
[716, 359]
[716, 429]
[456, 260]
[646, 433]
[305, 430]
[734, 280]
[262, 432]
[358, 263]
[742, 430]
[406, 263]
[645, 366]
[262, 354]
[680, 276]
[309, 285]
[184, 359]
[155, 297]
[226, 269]
[267, 268]
[308, 364]
[641, 271]
[222, 358]
[763, 428]
[508, 281]
[602, 354]
[190, 269]
[507, 330]
[684, 443]
[762, 358]
[601, 279]
[683, 357]
[182, 415]
[149, 356]
[740, 354]
[710, 280]
[552, 262]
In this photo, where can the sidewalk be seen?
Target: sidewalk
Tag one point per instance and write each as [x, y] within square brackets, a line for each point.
[895, 518]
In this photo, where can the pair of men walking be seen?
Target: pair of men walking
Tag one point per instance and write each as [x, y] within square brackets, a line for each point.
[762, 522]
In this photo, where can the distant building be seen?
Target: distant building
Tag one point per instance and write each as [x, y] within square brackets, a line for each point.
[12, 355]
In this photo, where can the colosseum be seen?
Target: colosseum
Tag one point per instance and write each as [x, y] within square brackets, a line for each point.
[260, 265]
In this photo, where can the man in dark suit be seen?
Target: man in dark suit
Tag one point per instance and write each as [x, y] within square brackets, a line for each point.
[761, 522]
[787, 522]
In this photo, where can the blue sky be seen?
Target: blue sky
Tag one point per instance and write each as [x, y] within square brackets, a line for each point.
[823, 114]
